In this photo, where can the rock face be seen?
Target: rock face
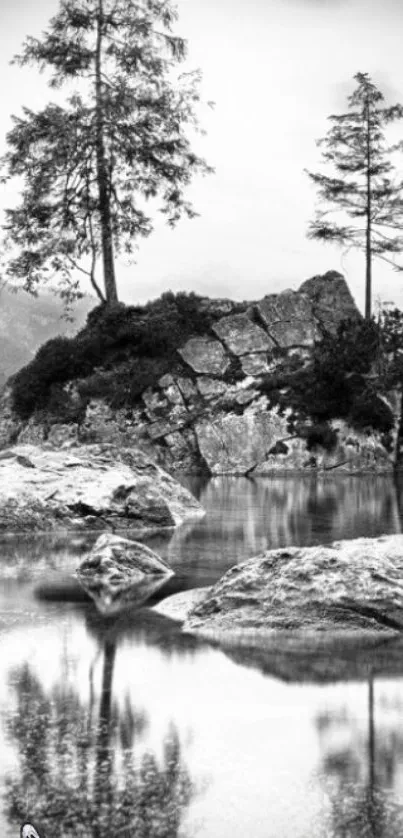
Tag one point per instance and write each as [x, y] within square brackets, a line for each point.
[225, 406]
[347, 586]
[91, 486]
[331, 299]
[118, 572]
[241, 335]
[206, 356]
[289, 319]
[236, 444]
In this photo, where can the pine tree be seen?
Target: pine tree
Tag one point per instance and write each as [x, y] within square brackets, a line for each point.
[364, 192]
[89, 166]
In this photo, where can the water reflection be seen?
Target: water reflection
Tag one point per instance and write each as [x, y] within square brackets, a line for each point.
[360, 774]
[247, 516]
[77, 769]
[113, 725]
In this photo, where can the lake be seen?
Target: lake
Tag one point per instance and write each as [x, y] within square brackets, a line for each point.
[126, 727]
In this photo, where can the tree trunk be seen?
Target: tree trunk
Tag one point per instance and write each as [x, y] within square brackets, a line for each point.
[102, 173]
[368, 248]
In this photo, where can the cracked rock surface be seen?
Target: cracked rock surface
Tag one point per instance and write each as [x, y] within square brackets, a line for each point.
[99, 486]
[346, 586]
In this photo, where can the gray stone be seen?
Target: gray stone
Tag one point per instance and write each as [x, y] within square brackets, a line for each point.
[118, 573]
[293, 333]
[255, 364]
[178, 606]
[155, 403]
[91, 486]
[210, 387]
[235, 444]
[62, 435]
[331, 300]
[289, 318]
[205, 356]
[347, 586]
[241, 335]
[166, 381]
[187, 388]
[174, 395]
[163, 427]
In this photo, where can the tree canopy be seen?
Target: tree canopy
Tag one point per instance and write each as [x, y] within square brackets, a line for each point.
[361, 202]
[91, 166]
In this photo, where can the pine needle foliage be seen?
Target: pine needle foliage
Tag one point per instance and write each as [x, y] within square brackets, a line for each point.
[89, 167]
[361, 202]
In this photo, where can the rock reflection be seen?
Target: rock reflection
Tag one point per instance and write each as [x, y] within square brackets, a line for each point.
[358, 768]
[246, 516]
[78, 773]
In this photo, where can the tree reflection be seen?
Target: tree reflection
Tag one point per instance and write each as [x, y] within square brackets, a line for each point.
[362, 805]
[80, 777]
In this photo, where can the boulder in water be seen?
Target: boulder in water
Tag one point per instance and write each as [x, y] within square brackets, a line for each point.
[346, 586]
[94, 487]
[119, 572]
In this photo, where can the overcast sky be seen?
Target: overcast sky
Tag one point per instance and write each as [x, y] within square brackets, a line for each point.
[276, 69]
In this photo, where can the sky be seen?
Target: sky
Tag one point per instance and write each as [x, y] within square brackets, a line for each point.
[275, 69]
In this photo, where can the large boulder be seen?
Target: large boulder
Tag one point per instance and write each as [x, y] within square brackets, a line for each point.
[119, 572]
[346, 586]
[205, 355]
[235, 444]
[331, 300]
[96, 486]
[241, 335]
[289, 319]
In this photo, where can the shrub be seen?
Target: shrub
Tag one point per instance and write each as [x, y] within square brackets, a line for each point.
[143, 339]
[123, 386]
[53, 364]
[369, 411]
[321, 434]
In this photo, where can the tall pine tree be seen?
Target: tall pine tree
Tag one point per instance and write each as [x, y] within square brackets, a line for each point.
[89, 166]
[363, 197]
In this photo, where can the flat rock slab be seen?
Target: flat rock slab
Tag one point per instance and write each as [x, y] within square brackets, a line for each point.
[331, 300]
[235, 444]
[100, 486]
[241, 335]
[289, 319]
[347, 586]
[205, 355]
[119, 572]
[178, 606]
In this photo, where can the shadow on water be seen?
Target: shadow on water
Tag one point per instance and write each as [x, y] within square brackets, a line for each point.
[78, 770]
[360, 777]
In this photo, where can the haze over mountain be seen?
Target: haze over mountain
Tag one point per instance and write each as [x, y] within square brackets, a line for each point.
[26, 322]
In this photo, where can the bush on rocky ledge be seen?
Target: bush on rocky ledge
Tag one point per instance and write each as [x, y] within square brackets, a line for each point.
[141, 340]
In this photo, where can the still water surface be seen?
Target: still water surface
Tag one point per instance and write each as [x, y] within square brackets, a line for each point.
[128, 728]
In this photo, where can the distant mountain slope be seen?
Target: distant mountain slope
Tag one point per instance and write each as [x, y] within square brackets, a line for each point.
[26, 322]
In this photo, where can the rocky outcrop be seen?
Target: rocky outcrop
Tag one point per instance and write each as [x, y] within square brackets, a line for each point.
[98, 486]
[206, 356]
[118, 573]
[236, 444]
[347, 586]
[223, 408]
[241, 336]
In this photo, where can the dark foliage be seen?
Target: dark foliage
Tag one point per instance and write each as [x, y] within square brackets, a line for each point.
[338, 384]
[140, 340]
[321, 434]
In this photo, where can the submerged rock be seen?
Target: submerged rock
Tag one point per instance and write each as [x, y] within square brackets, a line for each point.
[178, 606]
[346, 586]
[99, 486]
[119, 572]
